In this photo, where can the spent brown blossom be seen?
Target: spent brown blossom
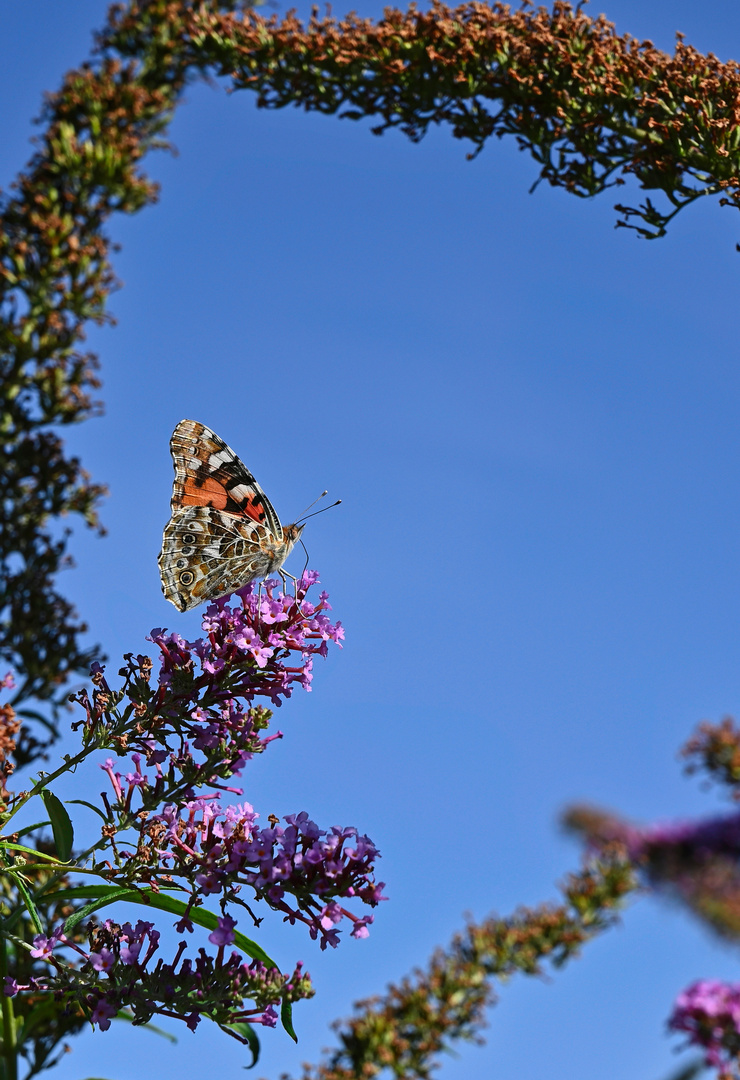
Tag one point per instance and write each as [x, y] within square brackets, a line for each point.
[715, 750]
[9, 727]
[591, 106]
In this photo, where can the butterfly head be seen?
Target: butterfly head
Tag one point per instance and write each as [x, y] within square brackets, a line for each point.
[292, 533]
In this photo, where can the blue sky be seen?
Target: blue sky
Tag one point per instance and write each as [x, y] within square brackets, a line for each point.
[532, 420]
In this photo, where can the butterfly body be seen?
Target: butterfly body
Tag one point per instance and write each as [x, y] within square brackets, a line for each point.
[223, 532]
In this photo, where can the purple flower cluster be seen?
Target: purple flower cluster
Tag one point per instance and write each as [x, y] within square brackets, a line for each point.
[205, 689]
[708, 1011]
[668, 851]
[196, 728]
[695, 840]
[698, 863]
[115, 973]
[695, 862]
[254, 641]
[299, 870]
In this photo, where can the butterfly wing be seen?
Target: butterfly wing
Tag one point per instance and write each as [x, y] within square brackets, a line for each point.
[207, 553]
[208, 473]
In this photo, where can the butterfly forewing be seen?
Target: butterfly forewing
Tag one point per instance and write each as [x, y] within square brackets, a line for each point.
[208, 473]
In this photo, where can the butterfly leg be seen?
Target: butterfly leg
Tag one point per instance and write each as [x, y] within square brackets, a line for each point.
[283, 575]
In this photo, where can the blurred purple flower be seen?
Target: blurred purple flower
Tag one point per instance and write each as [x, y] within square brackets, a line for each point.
[708, 1011]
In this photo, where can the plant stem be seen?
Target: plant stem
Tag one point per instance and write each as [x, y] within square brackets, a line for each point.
[9, 1049]
[67, 765]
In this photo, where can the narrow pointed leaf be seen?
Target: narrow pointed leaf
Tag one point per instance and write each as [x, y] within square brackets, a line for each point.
[28, 901]
[120, 893]
[128, 1018]
[31, 828]
[81, 892]
[39, 856]
[286, 1018]
[90, 806]
[207, 919]
[60, 824]
[109, 894]
[246, 1031]
[31, 714]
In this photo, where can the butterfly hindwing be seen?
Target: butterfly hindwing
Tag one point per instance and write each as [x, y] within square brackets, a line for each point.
[207, 553]
[208, 473]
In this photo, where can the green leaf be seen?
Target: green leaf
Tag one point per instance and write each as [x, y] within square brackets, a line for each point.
[79, 892]
[40, 856]
[60, 824]
[120, 892]
[286, 1018]
[109, 894]
[31, 714]
[246, 1031]
[31, 828]
[89, 805]
[129, 1019]
[207, 919]
[28, 901]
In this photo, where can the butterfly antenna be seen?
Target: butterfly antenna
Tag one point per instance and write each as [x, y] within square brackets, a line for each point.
[321, 496]
[305, 517]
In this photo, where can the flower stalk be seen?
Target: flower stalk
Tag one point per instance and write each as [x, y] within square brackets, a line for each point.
[9, 1047]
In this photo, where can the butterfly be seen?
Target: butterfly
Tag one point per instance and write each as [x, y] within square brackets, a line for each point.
[223, 532]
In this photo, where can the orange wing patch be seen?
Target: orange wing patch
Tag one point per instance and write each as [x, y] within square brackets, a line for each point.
[252, 507]
[209, 474]
[207, 492]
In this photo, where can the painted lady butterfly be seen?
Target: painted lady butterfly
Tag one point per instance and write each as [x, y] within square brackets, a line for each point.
[223, 532]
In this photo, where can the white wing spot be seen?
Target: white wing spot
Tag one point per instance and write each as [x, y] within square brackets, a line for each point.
[218, 459]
